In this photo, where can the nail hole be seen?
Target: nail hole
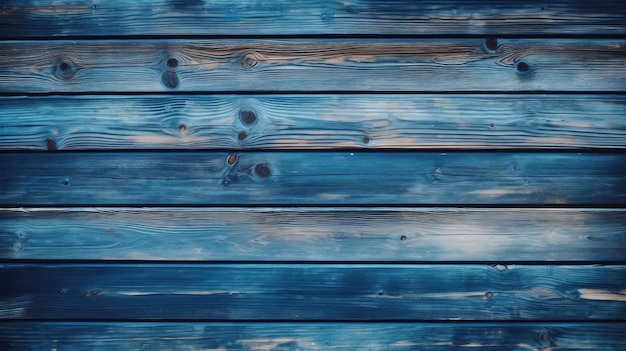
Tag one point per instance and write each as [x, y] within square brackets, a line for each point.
[489, 295]
[403, 238]
[94, 292]
[247, 117]
[172, 63]
[170, 79]
[262, 170]
[231, 159]
[523, 67]
[225, 182]
[242, 135]
[543, 337]
[63, 291]
[491, 125]
[182, 128]
[491, 43]
[66, 182]
[380, 293]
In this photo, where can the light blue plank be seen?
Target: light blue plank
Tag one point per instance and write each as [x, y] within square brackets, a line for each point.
[319, 65]
[389, 121]
[314, 234]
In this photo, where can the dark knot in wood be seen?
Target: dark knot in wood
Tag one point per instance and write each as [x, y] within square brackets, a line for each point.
[170, 79]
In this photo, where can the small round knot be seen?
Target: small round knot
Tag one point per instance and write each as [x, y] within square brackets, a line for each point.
[242, 135]
[182, 128]
[262, 170]
[64, 69]
[366, 140]
[491, 44]
[403, 238]
[172, 63]
[247, 116]
[170, 79]
[489, 294]
[249, 60]
[231, 160]
[523, 67]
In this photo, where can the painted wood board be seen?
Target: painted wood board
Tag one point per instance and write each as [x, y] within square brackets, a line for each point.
[389, 121]
[298, 178]
[307, 17]
[314, 234]
[436, 336]
[313, 65]
[312, 292]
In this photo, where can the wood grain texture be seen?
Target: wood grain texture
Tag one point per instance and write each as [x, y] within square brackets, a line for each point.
[312, 292]
[221, 17]
[313, 234]
[355, 336]
[313, 122]
[412, 65]
[283, 178]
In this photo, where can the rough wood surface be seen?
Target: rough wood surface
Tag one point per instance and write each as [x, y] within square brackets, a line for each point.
[21, 18]
[312, 292]
[313, 234]
[90, 336]
[313, 122]
[330, 178]
[412, 65]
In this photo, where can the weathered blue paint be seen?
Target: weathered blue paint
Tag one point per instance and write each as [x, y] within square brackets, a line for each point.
[383, 121]
[313, 65]
[93, 264]
[314, 234]
[297, 178]
[436, 336]
[312, 292]
[28, 18]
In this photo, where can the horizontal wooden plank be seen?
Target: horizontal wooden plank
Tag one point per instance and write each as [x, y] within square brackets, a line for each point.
[312, 234]
[305, 178]
[312, 292]
[221, 17]
[312, 122]
[312, 336]
[424, 65]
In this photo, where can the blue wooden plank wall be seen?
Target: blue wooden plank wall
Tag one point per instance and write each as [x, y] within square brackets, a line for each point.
[312, 175]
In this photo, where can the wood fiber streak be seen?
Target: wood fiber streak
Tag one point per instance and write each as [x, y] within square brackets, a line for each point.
[224, 17]
[313, 122]
[313, 336]
[412, 65]
[313, 234]
[313, 292]
[279, 178]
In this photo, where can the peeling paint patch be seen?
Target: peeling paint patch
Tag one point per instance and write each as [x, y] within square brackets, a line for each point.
[602, 295]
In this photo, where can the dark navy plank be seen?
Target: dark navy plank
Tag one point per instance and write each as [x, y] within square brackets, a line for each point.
[21, 18]
[311, 234]
[312, 122]
[312, 292]
[424, 65]
[304, 178]
[16, 336]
